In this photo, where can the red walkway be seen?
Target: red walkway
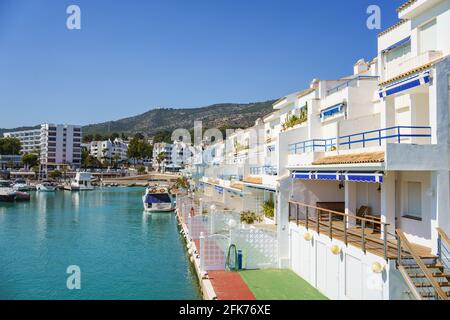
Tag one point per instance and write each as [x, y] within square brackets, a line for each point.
[230, 286]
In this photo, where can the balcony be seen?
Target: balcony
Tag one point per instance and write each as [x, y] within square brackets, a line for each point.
[373, 138]
[264, 170]
[397, 68]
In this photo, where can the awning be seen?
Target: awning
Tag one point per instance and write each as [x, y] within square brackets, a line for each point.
[373, 177]
[218, 189]
[397, 45]
[405, 84]
[369, 177]
[328, 112]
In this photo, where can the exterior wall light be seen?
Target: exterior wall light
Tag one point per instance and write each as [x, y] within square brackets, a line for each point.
[377, 267]
[307, 236]
[335, 249]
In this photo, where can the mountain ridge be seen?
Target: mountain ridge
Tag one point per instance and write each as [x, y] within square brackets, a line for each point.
[220, 115]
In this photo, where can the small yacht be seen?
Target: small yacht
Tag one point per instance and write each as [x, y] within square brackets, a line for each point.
[20, 185]
[82, 182]
[7, 194]
[158, 198]
[46, 186]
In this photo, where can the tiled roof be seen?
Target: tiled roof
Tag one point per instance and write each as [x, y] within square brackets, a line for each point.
[405, 5]
[406, 74]
[237, 185]
[372, 157]
[253, 179]
[395, 26]
[305, 92]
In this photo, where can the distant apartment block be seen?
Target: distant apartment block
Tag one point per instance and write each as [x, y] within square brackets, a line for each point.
[29, 139]
[58, 144]
[109, 150]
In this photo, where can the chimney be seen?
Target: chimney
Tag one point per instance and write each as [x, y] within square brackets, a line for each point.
[360, 67]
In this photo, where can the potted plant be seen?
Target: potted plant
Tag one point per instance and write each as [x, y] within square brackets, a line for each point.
[249, 217]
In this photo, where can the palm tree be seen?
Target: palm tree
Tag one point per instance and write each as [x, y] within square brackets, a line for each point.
[160, 158]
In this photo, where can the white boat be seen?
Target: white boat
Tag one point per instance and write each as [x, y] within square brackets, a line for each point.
[46, 186]
[158, 198]
[7, 194]
[20, 185]
[82, 182]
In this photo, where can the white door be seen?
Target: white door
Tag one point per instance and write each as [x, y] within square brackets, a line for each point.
[295, 252]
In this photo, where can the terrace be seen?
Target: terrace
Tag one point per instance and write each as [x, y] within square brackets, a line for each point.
[373, 138]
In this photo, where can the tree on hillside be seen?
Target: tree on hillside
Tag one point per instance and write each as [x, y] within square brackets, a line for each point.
[87, 138]
[163, 136]
[10, 146]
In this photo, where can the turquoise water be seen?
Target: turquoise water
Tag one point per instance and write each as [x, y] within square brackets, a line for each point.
[122, 252]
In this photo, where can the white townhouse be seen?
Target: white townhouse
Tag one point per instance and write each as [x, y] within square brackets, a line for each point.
[363, 198]
[358, 168]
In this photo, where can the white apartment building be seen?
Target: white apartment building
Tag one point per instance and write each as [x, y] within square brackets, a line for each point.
[57, 144]
[60, 145]
[359, 168]
[109, 150]
[30, 139]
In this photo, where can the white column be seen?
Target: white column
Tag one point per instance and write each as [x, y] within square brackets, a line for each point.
[440, 186]
[350, 201]
[388, 202]
[283, 197]
[387, 116]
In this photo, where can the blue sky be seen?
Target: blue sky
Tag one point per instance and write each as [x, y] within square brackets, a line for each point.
[131, 56]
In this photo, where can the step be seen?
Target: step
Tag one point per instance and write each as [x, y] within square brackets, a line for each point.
[429, 266]
[432, 295]
[434, 274]
[426, 285]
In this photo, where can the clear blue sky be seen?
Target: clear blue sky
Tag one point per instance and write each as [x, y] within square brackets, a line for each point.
[131, 56]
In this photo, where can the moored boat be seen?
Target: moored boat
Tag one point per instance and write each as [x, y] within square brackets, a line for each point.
[82, 182]
[20, 185]
[158, 198]
[46, 186]
[22, 196]
[7, 194]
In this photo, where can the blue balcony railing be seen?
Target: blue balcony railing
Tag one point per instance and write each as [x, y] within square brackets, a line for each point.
[264, 170]
[312, 146]
[362, 140]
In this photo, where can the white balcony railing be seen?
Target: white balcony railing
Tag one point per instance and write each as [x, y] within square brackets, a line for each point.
[397, 68]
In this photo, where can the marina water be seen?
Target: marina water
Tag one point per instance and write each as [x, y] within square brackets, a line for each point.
[122, 253]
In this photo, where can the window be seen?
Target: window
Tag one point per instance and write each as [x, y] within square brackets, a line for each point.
[428, 37]
[413, 199]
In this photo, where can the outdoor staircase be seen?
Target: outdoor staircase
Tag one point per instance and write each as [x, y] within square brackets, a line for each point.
[428, 278]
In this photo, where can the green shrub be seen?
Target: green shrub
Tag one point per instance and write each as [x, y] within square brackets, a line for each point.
[249, 217]
[268, 208]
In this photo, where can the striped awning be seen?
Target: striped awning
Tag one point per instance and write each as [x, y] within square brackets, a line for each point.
[328, 112]
[405, 84]
[397, 45]
[369, 177]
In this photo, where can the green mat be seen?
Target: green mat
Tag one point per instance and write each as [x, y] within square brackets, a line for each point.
[279, 285]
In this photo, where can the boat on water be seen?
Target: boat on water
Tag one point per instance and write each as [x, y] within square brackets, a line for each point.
[82, 182]
[158, 198]
[46, 186]
[22, 196]
[7, 193]
[20, 185]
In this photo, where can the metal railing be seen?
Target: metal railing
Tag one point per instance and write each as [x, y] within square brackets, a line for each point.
[312, 146]
[367, 233]
[444, 249]
[397, 134]
[416, 274]
[264, 170]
